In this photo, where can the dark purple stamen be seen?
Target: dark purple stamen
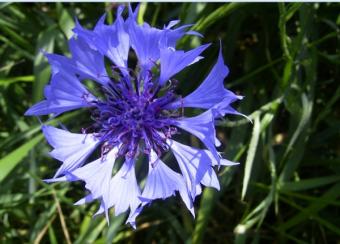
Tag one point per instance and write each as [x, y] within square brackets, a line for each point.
[134, 117]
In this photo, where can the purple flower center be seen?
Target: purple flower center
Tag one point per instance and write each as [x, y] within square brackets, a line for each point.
[134, 116]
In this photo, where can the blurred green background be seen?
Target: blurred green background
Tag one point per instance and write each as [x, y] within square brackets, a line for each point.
[284, 58]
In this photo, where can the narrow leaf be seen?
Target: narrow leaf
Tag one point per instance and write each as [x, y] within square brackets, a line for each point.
[8, 163]
[251, 155]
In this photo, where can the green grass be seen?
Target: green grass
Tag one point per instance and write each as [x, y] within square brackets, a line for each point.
[283, 57]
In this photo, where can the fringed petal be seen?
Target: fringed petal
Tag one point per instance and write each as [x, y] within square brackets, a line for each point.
[162, 182]
[84, 200]
[196, 166]
[173, 61]
[147, 41]
[211, 91]
[110, 40]
[223, 108]
[97, 174]
[123, 191]
[201, 126]
[65, 93]
[70, 148]
[89, 62]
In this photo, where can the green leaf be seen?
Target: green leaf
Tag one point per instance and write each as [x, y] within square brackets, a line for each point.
[251, 155]
[313, 208]
[208, 199]
[309, 183]
[41, 67]
[206, 21]
[91, 234]
[297, 138]
[142, 10]
[66, 21]
[10, 80]
[17, 48]
[9, 162]
[15, 38]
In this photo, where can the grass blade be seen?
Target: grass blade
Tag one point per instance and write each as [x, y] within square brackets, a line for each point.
[9, 162]
[251, 155]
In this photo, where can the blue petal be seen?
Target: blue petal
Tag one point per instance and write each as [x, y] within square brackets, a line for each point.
[171, 24]
[133, 215]
[123, 192]
[202, 126]
[87, 35]
[171, 36]
[147, 41]
[211, 91]
[174, 61]
[113, 41]
[162, 182]
[70, 148]
[185, 195]
[110, 40]
[60, 63]
[196, 167]
[223, 108]
[89, 62]
[65, 93]
[134, 14]
[97, 174]
[59, 179]
[84, 200]
[224, 162]
[210, 179]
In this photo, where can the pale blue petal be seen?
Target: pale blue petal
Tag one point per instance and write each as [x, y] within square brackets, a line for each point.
[196, 166]
[211, 91]
[133, 215]
[225, 162]
[133, 14]
[110, 40]
[97, 174]
[201, 126]
[60, 63]
[185, 195]
[210, 179]
[173, 61]
[171, 36]
[123, 192]
[145, 42]
[87, 35]
[65, 93]
[223, 108]
[171, 24]
[84, 200]
[69, 148]
[113, 41]
[60, 179]
[89, 62]
[163, 182]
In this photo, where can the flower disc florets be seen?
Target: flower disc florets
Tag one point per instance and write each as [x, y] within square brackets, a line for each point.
[137, 114]
[134, 117]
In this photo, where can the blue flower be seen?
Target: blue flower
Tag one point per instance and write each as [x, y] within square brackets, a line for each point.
[137, 115]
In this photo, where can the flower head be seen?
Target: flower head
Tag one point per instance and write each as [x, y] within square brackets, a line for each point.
[137, 114]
